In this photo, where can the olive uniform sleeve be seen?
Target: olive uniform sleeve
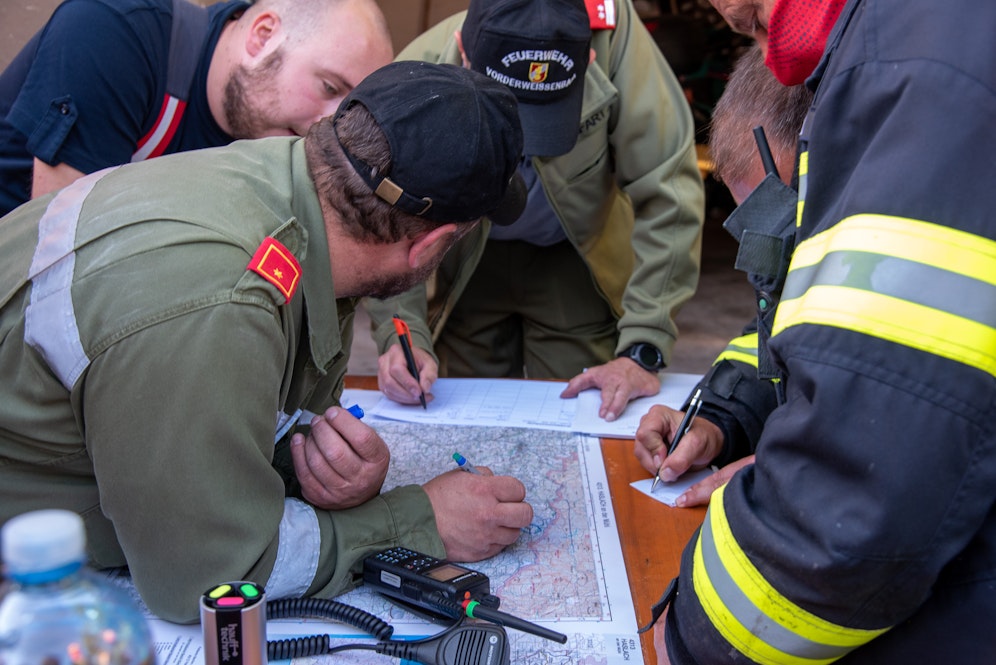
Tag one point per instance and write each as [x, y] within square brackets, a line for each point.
[191, 432]
[652, 147]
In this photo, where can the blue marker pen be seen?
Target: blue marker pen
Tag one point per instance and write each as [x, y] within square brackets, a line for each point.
[464, 464]
[356, 410]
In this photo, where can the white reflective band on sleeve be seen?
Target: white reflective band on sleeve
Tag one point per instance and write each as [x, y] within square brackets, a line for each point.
[50, 319]
[284, 423]
[297, 553]
[159, 132]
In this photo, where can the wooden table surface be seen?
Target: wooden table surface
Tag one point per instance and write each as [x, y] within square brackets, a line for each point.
[651, 534]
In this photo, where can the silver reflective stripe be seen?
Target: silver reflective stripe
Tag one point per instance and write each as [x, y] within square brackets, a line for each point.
[907, 280]
[50, 319]
[284, 423]
[297, 552]
[751, 617]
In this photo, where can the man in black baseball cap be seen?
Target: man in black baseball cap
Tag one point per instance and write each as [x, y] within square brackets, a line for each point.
[606, 250]
[226, 279]
[460, 124]
[540, 50]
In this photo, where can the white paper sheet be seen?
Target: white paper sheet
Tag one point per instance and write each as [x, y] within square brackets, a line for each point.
[532, 404]
[667, 493]
[675, 388]
[489, 403]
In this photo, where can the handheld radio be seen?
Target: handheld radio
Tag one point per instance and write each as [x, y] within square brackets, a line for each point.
[425, 581]
[443, 588]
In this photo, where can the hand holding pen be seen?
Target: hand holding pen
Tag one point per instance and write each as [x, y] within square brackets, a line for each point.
[686, 424]
[405, 339]
[464, 464]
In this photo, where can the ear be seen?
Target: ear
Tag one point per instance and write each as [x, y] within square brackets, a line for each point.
[458, 36]
[425, 248]
[262, 29]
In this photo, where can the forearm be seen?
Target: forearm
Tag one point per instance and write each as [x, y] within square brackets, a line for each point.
[653, 143]
[402, 516]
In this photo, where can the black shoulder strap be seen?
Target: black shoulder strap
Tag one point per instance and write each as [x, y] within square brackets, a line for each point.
[190, 28]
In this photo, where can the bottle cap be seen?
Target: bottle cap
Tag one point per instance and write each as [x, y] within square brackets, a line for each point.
[42, 540]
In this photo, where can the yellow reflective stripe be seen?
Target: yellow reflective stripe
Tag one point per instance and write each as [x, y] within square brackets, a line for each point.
[930, 244]
[734, 595]
[743, 348]
[898, 321]
[913, 283]
[803, 186]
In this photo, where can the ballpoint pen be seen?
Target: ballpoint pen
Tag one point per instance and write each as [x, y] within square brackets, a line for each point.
[686, 424]
[464, 464]
[405, 337]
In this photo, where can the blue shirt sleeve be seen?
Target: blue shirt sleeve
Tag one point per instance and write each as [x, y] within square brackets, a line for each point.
[97, 82]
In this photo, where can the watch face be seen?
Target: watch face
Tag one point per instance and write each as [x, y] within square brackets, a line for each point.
[648, 355]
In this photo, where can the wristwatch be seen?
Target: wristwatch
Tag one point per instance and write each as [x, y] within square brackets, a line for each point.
[647, 356]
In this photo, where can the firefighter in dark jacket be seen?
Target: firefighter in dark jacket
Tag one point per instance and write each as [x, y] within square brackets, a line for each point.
[865, 531]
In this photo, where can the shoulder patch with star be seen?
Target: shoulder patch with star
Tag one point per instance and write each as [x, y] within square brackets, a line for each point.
[277, 265]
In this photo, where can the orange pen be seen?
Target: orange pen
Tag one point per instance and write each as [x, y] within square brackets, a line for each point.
[405, 336]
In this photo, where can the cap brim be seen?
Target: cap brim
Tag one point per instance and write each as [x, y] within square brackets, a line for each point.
[545, 131]
[512, 205]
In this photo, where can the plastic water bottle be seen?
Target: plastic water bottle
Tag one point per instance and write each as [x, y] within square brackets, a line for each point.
[54, 610]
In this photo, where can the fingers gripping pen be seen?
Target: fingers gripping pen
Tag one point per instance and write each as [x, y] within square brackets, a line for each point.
[405, 337]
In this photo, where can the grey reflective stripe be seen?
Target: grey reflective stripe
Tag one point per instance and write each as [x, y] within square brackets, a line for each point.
[284, 423]
[899, 278]
[298, 551]
[50, 319]
[742, 348]
[748, 615]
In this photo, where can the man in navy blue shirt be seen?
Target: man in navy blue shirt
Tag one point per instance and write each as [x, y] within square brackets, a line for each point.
[111, 81]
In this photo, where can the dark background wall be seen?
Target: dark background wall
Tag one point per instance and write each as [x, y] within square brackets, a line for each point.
[19, 19]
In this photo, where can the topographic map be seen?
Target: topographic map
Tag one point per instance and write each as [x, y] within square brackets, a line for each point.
[565, 572]
[555, 569]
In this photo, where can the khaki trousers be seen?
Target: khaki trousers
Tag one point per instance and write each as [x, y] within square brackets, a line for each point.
[527, 311]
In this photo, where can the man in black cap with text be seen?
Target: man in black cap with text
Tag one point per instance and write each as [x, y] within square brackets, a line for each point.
[592, 274]
[174, 336]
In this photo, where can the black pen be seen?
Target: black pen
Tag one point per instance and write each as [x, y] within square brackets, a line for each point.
[686, 424]
[405, 337]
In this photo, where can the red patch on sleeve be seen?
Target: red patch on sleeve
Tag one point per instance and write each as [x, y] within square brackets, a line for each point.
[275, 263]
[601, 14]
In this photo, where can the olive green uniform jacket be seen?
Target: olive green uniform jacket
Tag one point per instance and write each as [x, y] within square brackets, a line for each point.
[146, 372]
[628, 195]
